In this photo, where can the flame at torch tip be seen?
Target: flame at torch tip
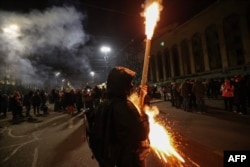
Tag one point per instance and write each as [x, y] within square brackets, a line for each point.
[152, 16]
[160, 140]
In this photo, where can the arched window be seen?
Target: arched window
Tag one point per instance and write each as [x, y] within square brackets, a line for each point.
[176, 64]
[198, 53]
[233, 40]
[213, 47]
[185, 57]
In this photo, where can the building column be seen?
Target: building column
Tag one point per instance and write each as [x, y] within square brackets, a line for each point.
[190, 48]
[223, 49]
[164, 66]
[205, 52]
[171, 63]
[155, 60]
[180, 60]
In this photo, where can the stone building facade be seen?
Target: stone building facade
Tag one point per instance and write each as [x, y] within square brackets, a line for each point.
[214, 43]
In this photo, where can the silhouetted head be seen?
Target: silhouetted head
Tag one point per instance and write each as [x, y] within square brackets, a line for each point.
[119, 82]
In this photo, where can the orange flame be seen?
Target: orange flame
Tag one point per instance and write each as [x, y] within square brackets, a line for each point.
[152, 16]
[160, 140]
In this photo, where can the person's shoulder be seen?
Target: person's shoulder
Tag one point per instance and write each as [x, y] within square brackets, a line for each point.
[121, 104]
[118, 102]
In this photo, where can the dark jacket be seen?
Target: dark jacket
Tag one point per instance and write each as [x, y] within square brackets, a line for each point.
[27, 99]
[69, 98]
[240, 91]
[185, 90]
[130, 128]
[199, 89]
[36, 99]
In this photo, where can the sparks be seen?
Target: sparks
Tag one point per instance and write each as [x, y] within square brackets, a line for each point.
[152, 15]
[160, 139]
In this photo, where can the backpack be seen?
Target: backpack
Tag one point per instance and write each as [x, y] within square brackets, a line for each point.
[99, 134]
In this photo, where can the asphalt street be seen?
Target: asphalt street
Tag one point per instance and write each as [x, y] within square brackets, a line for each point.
[58, 140]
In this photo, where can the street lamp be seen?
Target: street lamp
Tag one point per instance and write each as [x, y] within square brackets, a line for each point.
[57, 74]
[92, 73]
[106, 50]
[12, 31]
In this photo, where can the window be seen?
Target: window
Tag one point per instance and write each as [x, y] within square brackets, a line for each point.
[198, 53]
[160, 66]
[185, 57]
[233, 40]
[213, 48]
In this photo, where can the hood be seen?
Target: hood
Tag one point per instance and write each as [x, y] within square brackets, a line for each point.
[119, 81]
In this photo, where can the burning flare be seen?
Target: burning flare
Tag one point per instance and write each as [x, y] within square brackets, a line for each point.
[160, 140]
[152, 16]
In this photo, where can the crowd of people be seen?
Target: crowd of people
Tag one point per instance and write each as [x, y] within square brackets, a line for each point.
[190, 95]
[34, 103]
[131, 131]
[88, 98]
[131, 127]
[20, 104]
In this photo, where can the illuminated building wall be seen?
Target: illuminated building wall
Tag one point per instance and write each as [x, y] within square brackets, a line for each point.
[216, 42]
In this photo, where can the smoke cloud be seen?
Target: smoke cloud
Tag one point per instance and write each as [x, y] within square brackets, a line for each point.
[35, 45]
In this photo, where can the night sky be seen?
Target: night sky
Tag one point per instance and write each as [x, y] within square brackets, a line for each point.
[73, 30]
[115, 19]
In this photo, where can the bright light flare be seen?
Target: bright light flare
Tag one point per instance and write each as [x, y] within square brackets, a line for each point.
[57, 74]
[105, 49]
[152, 16]
[160, 140]
[92, 73]
[12, 30]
